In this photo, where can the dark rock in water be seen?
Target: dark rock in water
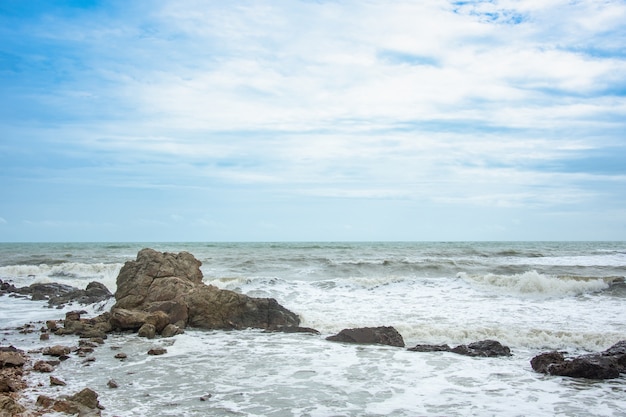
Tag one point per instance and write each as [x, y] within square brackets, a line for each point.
[11, 357]
[60, 294]
[172, 283]
[157, 351]
[602, 365]
[484, 348]
[171, 330]
[112, 384]
[56, 381]
[293, 329]
[384, 335]
[430, 348]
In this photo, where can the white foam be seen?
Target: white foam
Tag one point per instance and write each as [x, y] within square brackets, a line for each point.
[534, 283]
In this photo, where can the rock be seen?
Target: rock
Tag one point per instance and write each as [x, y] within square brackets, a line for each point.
[43, 366]
[10, 357]
[485, 348]
[52, 325]
[172, 284]
[56, 381]
[121, 355]
[112, 384]
[86, 397]
[57, 350]
[10, 407]
[171, 330]
[369, 335]
[430, 348]
[603, 365]
[159, 320]
[147, 330]
[157, 351]
[44, 336]
[205, 397]
[293, 329]
[123, 319]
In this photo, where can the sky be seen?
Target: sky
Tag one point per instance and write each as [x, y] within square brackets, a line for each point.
[303, 120]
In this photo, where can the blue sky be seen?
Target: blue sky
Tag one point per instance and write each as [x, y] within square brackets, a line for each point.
[312, 120]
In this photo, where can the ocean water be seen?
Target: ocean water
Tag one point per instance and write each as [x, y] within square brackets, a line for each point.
[530, 296]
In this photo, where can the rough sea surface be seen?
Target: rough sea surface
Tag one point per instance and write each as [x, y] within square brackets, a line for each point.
[530, 296]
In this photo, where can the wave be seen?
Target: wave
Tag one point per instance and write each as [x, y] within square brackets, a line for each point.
[71, 273]
[534, 283]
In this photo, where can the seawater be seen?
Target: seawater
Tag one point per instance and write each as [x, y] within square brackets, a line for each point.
[531, 296]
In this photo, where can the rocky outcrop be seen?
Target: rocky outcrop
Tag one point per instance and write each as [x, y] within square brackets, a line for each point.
[384, 335]
[170, 285]
[61, 294]
[83, 403]
[483, 348]
[602, 365]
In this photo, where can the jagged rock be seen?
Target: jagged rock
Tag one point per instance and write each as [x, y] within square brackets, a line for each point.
[383, 335]
[112, 383]
[147, 330]
[172, 283]
[84, 403]
[603, 365]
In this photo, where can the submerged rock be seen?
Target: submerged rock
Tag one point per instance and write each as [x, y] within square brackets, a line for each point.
[384, 335]
[602, 365]
[157, 283]
[60, 294]
[483, 348]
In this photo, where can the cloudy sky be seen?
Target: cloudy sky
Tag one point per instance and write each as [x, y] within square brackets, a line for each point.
[302, 120]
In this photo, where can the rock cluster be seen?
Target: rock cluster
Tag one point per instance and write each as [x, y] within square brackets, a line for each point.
[483, 348]
[602, 365]
[384, 335]
[60, 294]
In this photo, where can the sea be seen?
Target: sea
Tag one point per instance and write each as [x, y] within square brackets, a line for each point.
[531, 296]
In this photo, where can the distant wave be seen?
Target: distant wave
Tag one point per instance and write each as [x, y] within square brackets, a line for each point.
[534, 283]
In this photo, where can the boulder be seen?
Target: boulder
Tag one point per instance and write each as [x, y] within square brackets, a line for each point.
[147, 330]
[171, 330]
[383, 335]
[172, 284]
[10, 407]
[602, 365]
[59, 294]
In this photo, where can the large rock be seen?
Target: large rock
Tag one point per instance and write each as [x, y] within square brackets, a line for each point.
[171, 283]
[383, 335]
[60, 294]
[602, 365]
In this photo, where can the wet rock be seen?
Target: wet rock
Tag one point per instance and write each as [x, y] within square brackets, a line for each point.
[157, 351]
[484, 348]
[56, 381]
[172, 283]
[602, 365]
[84, 403]
[147, 331]
[383, 335]
[57, 350]
[120, 355]
[123, 319]
[43, 366]
[430, 348]
[171, 330]
[293, 329]
[44, 336]
[112, 383]
[10, 407]
[10, 357]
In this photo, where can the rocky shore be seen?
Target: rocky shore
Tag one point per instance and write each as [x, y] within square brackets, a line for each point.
[160, 294]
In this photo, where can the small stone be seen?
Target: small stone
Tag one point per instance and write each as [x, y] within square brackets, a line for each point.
[205, 397]
[56, 381]
[112, 383]
[44, 336]
[157, 351]
[42, 366]
[121, 355]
